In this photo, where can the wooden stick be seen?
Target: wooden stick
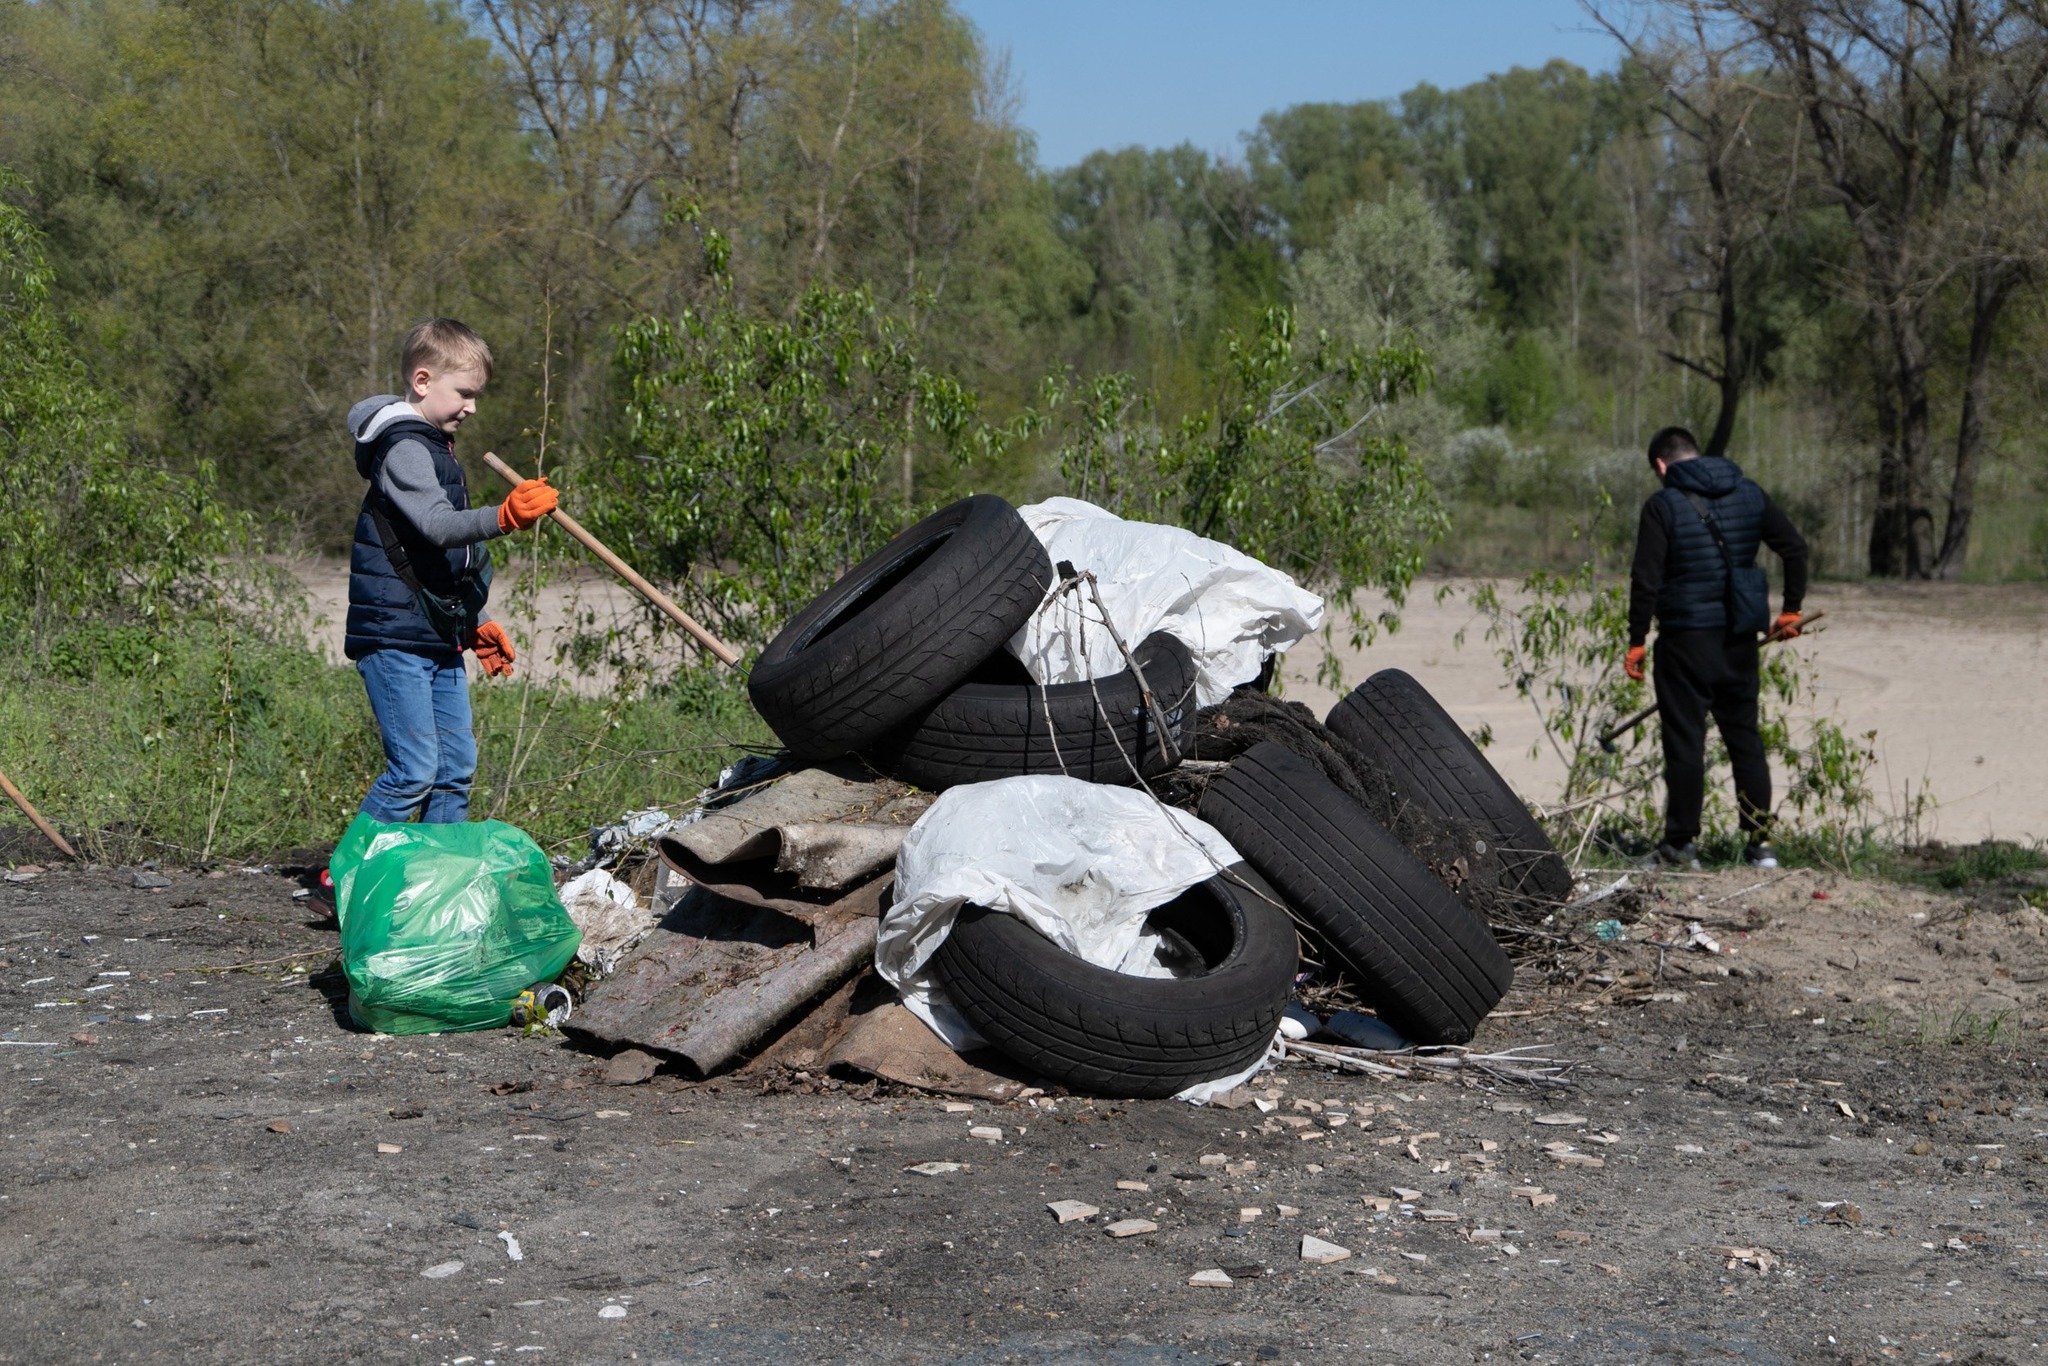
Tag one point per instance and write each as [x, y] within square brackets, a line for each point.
[725, 653]
[49, 831]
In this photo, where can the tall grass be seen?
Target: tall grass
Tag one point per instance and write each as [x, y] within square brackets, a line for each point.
[214, 744]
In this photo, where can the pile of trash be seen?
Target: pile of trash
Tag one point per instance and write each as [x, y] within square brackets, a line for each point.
[1033, 776]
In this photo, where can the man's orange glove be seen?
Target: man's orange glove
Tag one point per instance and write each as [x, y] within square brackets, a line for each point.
[528, 503]
[493, 648]
[1787, 627]
[1632, 662]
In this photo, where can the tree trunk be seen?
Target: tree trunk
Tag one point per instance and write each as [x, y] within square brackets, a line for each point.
[1887, 526]
[1730, 378]
[1990, 288]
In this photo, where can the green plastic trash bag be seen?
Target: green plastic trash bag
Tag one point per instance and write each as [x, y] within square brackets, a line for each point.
[442, 926]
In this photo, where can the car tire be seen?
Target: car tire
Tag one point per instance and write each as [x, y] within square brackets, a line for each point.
[1393, 719]
[1428, 965]
[999, 724]
[901, 629]
[1110, 1034]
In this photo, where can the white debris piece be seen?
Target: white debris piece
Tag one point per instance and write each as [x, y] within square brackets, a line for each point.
[1229, 609]
[1130, 1228]
[1315, 1250]
[1072, 1211]
[1212, 1279]
[513, 1252]
[610, 915]
[441, 1271]
[1082, 863]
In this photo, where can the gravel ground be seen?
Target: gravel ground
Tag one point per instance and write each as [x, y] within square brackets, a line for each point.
[211, 1165]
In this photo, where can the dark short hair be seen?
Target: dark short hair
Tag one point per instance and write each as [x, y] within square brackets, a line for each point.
[1671, 443]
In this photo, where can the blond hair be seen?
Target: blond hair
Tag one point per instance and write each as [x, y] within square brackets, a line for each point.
[443, 344]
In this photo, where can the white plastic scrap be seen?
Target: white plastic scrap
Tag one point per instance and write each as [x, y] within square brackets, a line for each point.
[1230, 610]
[1082, 863]
[610, 916]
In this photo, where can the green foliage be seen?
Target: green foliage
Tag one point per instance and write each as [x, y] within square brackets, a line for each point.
[756, 458]
[1956, 867]
[90, 528]
[1560, 639]
[1286, 461]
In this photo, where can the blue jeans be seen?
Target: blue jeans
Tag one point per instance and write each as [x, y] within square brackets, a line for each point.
[422, 708]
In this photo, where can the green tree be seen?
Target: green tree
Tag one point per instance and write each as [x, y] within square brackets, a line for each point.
[256, 202]
[91, 530]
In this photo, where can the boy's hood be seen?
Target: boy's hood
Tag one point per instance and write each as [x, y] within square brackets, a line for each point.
[1710, 476]
[373, 417]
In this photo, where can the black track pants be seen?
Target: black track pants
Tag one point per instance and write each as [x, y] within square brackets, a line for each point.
[1697, 672]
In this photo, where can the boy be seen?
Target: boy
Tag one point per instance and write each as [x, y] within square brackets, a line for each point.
[1696, 534]
[419, 574]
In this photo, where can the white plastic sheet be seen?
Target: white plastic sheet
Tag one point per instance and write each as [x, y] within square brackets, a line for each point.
[1083, 863]
[1230, 610]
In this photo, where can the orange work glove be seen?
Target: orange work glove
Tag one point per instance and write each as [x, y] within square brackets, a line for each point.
[493, 648]
[529, 502]
[1786, 627]
[1632, 662]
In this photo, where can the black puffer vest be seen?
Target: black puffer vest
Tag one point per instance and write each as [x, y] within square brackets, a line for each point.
[382, 611]
[1695, 592]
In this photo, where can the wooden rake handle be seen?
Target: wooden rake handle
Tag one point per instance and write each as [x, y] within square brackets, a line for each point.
[27, 809]
[724, 652]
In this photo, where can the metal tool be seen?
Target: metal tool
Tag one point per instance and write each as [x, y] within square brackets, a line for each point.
[725, 653]
[1622, 728]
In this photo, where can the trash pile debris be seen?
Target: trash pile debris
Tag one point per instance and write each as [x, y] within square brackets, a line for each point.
[1032, 776]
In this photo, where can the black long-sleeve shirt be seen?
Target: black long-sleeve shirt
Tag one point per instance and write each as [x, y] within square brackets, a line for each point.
[1653, 545]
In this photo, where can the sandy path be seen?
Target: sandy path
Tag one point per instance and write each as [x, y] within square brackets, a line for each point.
[1947, 675]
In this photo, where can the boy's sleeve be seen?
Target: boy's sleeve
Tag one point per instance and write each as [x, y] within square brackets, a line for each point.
[407, 481]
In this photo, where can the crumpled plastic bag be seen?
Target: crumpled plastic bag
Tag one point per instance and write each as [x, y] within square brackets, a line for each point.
[1229, 609]
[442, 926]
[609, 914]
[1083, 863]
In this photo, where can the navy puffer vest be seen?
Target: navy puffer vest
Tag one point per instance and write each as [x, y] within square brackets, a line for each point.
[382, 612]
[1695, 592]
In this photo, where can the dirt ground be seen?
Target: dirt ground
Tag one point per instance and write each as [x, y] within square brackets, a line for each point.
[210, 1165]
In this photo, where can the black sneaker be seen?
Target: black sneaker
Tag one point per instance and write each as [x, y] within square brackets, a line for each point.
[1685, 855]
[1760, 856]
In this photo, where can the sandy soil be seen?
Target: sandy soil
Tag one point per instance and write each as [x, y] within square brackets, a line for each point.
[191, 1168]
[1949, 676]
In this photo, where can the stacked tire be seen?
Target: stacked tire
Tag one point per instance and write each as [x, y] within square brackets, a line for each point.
[902, 665]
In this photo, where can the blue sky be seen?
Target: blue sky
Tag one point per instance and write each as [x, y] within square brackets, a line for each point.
[1113, 73]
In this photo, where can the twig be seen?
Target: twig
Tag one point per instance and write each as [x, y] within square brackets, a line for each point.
[1511, 1065]
[1754, 886]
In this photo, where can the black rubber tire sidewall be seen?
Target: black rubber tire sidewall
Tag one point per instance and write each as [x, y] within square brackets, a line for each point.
[1427, 963]
[859, 661]
[1109, 1034]
[1393, 718]
[980, 731]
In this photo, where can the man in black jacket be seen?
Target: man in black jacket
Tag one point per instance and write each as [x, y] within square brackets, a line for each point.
[1696, 534]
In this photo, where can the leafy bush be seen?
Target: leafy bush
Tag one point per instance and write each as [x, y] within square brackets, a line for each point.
[756, 458]
[1560, 640]
[1287, 462]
